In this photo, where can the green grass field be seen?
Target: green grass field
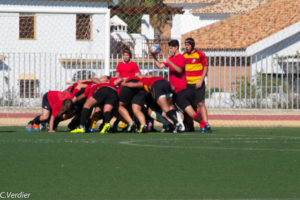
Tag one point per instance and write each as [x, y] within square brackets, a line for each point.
[230, 163]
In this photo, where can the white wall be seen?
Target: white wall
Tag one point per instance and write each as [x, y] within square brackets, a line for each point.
[286, 47]
[147, 29]
[54, 33]
[187, 22]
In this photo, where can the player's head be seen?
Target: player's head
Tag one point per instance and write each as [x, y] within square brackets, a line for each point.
[189, 44]
[173, 47]
[67, 107]
[126, 55]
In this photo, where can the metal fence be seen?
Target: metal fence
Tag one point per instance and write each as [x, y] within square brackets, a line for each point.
[233, 82]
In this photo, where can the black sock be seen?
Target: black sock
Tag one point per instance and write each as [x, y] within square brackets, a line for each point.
[107, 117]
[85, 114]
[172, 115]
[37, 120]
[56, 122]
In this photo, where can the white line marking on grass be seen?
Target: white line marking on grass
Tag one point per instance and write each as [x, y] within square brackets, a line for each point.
[135, 143]
[56, 141]
[206, 199]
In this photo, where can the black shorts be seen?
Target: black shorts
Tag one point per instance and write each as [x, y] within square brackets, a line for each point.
[199, 93]
[45, 102]
[161, 88]
[106, 95]
[151, 103]
[132, 95]
[185, 98]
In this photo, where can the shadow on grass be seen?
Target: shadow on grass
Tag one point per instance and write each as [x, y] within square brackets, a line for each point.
[8, 131]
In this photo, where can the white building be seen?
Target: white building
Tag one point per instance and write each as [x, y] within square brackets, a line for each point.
[45, 45]
[137, 42]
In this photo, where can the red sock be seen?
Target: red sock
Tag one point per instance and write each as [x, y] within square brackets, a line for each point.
[198, 112]
[197, 117]
[203, 124]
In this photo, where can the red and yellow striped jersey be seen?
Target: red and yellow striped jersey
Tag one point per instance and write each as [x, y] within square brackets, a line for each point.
[194, 66]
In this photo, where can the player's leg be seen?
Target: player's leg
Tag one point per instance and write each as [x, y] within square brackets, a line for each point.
[85, 114]
[124, 113]
[107, 115]
[138, 103]
[78, 106]
[137, 110]
[110, 102]
[96, 116]
[35, 123]
[125, 97]
[166, 108]
[200, 100]
[46, 109]
[185, 101]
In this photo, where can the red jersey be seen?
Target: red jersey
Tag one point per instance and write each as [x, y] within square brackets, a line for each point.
[73, 87]
[148, 82]
[55, 99]
[95, 87]
[177, 80]
[194, 66]
[127, 69]
[87, 89]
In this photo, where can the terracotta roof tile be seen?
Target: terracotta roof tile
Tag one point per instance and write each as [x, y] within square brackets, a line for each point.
[189, 1]
[230, 6]
[240, 31]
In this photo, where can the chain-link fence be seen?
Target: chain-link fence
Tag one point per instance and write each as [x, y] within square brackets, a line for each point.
[47, 45]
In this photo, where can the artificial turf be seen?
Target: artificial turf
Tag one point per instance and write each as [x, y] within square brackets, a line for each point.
[230, 163]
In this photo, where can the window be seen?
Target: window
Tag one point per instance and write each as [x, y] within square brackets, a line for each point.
[83, 27]
[29, 86]
[83, 75]
[27, 26]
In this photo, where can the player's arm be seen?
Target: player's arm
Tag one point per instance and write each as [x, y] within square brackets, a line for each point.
[118, 81]
[158, 64]
[133, 85]
[200, 82]
[137, 74]
[81, 86]
[137, 71]
[51, 124]
[117, 75]
[97, 80]
[84, 81]
[175, 67]
[78, 98]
